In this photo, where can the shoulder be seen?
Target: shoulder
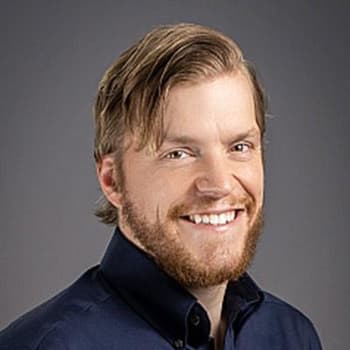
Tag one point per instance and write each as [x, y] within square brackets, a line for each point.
[49, 324]
[87, 315]
[281, 310]
[276, 319]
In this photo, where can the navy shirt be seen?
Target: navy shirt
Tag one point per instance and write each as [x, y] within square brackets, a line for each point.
[127, 302]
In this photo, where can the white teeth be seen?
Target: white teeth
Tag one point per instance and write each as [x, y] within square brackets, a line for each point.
[213, 219]
[222, 218]
[205, 219]
[197, 219]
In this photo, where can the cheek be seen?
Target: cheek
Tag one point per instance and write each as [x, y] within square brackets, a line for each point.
[252, 178]
[155, 191]
[169, 191]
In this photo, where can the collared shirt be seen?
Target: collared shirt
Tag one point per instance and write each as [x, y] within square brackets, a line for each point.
[129, 303]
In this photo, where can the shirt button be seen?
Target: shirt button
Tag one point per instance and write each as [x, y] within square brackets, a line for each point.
[178, 343]
[195, 320]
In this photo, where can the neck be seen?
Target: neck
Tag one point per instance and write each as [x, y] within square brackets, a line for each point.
[212, 298]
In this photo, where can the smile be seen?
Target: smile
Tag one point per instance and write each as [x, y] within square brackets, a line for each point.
[213, 219]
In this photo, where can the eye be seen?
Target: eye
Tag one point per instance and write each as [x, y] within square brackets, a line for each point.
[177, 154]
[241, 147]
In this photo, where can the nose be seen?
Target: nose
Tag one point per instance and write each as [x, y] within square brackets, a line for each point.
[216, 180]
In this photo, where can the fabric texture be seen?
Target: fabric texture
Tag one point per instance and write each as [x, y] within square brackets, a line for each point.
[127, 302]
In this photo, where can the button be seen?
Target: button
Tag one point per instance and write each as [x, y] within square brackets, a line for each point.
[195, 320]
[178, 343]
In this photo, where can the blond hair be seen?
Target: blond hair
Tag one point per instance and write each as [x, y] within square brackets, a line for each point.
[133, 91]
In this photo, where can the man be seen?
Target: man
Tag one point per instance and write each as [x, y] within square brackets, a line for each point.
[179, 128]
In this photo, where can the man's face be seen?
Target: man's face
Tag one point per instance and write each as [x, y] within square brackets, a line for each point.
[195, 204]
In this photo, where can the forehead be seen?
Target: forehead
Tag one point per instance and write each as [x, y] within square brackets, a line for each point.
[212, 108]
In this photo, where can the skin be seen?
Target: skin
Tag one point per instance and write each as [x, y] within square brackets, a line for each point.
[210, 162]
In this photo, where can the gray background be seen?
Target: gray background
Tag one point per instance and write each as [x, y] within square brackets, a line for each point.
[53, 54]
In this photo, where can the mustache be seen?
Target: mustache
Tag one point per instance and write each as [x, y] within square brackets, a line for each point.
[206, 203]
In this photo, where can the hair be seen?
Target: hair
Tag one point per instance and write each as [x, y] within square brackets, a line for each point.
[133, 92]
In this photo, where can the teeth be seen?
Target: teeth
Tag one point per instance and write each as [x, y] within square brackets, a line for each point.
[197, 219]
[205, 219]
[223, 218]
[213, 219]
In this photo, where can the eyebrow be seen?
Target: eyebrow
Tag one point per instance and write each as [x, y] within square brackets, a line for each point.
[186, 140]
[181, 139]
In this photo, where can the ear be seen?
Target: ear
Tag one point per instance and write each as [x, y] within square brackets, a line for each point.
[107, 177]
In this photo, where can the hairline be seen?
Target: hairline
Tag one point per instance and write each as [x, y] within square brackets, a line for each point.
[151, 143]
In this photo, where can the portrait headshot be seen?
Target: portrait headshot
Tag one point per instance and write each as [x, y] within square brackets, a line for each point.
[174, 175]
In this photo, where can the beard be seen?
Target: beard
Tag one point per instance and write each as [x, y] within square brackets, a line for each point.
[163, 243]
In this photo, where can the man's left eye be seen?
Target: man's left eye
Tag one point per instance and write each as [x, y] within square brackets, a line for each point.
[241, 147]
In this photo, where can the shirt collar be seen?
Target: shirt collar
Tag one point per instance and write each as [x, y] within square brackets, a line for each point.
[159, 299]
